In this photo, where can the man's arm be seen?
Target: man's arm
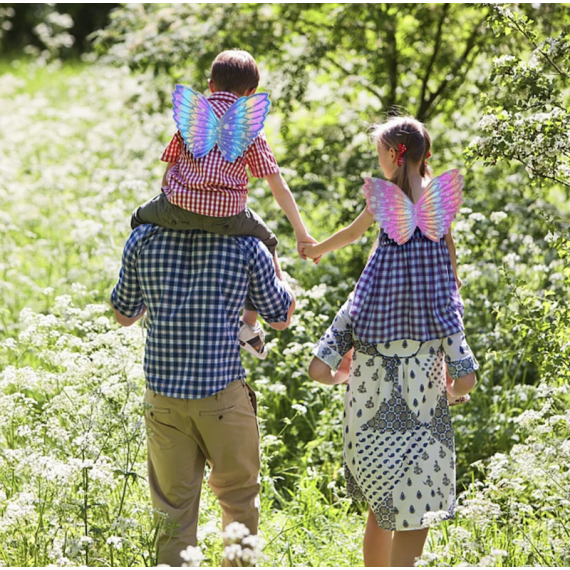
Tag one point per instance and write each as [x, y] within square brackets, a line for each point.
[272, 297]
[127, 321]
[126, 298]
[283, 326]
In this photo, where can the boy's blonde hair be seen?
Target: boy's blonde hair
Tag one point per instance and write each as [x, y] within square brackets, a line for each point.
[235, 71]
[411, 133]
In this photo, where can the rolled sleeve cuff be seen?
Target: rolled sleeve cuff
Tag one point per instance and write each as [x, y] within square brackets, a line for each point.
[124, 308]
[459, 368]
[328, 355]
[282, 316]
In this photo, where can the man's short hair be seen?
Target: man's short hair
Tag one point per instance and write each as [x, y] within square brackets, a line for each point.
[235, 71]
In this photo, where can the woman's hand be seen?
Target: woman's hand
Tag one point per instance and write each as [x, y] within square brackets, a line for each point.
[343, 372]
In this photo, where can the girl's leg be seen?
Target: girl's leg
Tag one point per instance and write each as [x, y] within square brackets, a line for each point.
[407, 545]
[377, 543]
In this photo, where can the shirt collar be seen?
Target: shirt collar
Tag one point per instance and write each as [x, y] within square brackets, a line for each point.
[223, 96]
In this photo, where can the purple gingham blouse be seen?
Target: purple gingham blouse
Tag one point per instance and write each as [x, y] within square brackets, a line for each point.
[407, 291]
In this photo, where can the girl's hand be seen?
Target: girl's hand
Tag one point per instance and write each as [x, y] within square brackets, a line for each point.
[302, 240]
[459, 282]
[308, 250]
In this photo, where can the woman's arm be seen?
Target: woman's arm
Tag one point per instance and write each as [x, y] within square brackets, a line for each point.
[343, 237]
[451, 248]
[321, 372]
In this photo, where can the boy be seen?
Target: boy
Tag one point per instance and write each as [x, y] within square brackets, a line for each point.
[210, 193]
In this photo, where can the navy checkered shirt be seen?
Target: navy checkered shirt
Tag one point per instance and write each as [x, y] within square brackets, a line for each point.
[194, 285]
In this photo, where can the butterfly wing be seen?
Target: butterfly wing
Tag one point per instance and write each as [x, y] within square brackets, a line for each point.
[391, 208]
[241, 123]
[439, 203]
[195, 120]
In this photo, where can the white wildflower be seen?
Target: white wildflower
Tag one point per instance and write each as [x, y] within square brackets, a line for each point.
[299, 408]
[497, 217]
[192, 555]
[233, 552]
[434, 517]
[235, 531]
[115, 541]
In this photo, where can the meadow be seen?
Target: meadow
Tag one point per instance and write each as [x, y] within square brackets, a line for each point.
[79, 148]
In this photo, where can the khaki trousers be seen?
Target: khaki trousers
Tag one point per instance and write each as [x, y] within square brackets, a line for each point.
[184, 434]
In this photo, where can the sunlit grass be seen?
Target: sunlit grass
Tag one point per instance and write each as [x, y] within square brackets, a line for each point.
[79, 149]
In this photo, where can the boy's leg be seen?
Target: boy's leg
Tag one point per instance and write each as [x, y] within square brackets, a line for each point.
[246, 223]
[161, 212]
[175, 472]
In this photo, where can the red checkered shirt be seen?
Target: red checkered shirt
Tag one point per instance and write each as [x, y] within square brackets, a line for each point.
[211, 185]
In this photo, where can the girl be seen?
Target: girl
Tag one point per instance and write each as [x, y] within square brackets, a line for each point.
[401, 327]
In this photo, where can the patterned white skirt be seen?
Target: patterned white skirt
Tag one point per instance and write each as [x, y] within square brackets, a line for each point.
[399, 447]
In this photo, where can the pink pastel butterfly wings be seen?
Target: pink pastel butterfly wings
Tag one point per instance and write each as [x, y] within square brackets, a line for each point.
[439, 203]
[202, 130]
[399, 216]
[391, 208]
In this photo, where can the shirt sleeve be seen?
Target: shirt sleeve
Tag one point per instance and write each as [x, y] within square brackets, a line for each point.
[126, 296]
[172, 151]
[337, 340]
[260, 159]
[266, 291]
[459, 358]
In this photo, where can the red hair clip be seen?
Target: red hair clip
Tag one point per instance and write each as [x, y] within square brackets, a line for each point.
[427, 156]
[401, 151]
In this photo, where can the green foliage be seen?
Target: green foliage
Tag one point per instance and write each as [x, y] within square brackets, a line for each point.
[67, 193]
[526, 117]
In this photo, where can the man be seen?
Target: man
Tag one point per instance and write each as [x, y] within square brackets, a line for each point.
[193, 285]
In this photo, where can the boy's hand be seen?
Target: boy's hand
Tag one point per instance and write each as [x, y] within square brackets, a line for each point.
[306, 250]
[302, 240]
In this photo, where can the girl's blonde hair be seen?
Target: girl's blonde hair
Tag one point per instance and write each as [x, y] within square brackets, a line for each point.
[411, 133]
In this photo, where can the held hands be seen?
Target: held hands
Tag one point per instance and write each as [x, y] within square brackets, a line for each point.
[305, 245]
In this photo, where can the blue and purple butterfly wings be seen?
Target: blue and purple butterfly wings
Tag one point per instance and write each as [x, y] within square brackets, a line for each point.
[202, 130]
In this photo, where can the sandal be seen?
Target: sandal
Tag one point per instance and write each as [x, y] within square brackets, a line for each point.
[252, 339]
